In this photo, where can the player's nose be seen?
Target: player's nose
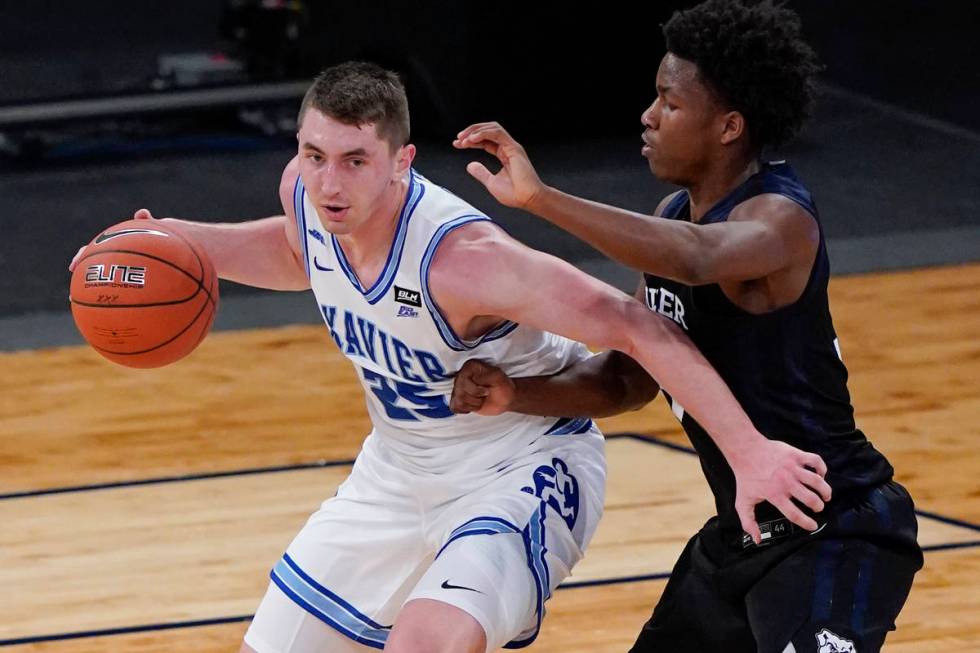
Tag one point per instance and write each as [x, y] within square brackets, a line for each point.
[649, 118]
[328, 181]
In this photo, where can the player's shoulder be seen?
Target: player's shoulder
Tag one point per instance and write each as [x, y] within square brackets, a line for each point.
[436, 203]
[287, 185]
[772, 207]
[472, 242]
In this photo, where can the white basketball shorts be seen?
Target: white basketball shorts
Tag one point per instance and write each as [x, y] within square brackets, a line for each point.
[495, 545]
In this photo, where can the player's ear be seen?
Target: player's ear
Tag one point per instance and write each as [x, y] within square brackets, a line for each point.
[732, 127]
[403, 160]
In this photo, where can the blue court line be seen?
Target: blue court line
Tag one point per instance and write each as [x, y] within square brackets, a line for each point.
[125, 631]
[245, 472]
[177, 479]
[336, 463]
[650, 439]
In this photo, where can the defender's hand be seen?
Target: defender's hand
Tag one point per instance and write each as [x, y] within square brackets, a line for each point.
[142, 214]
[517, 183]
[481, 388]
[777, 472]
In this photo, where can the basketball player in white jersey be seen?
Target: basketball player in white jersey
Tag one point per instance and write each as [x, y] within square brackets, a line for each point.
[452, 530]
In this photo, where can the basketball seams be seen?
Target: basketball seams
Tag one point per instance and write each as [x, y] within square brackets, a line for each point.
[204, 305]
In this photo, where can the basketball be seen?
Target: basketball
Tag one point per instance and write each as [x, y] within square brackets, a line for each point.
[143, 295]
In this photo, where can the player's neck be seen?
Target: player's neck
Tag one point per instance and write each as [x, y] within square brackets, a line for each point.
[372, 239]
[721, 178]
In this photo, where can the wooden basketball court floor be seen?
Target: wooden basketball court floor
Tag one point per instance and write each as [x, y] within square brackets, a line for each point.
[142, 510]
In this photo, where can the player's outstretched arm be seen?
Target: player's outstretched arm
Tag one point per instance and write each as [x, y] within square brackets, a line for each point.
[764, 235]
[606, 384]
[478, 271]
[265, 253]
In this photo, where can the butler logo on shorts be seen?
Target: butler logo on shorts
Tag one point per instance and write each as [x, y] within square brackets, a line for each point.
[115, 276]
[410, 297]
[828, 642]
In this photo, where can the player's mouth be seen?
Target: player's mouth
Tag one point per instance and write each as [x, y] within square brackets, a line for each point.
[335, 211]
[647, 148]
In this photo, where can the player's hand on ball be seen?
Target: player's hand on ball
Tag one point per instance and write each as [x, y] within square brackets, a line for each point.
[517, 183]
[481, 388]
[778, 473]
[141, 214]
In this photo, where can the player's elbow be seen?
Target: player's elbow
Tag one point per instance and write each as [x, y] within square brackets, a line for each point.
[638, 391]
[634, 329]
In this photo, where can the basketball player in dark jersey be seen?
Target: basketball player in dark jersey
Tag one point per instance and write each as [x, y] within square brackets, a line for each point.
[738, 260]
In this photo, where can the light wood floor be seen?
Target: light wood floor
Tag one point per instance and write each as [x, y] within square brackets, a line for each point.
[199, 550]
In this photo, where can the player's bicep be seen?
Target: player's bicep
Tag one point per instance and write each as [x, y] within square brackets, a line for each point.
[502, 277]
[759, 240]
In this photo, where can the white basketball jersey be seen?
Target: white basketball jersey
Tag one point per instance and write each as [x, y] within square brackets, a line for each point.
[406, 353]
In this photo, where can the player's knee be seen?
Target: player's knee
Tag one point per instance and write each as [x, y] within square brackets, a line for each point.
[428, 626]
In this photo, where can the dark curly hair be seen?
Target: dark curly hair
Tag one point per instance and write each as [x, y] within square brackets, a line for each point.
[751, 54]
[358, 92]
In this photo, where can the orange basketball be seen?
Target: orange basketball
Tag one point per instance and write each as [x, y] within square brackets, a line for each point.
[143, 295]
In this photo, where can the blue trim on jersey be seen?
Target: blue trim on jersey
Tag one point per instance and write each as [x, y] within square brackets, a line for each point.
[325, 605]
[442, 325]
[534, 546]
[387, 277]
[480, 526]
[299, 214]
[570, 426]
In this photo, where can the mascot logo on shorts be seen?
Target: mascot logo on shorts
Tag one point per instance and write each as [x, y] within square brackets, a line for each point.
[559, 489]
[828, 642]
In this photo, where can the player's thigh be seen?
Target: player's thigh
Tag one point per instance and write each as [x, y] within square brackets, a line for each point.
[282, 626]
[431, 626]
[694, 614]
[490, 587]
[354, 562]
[834, 595]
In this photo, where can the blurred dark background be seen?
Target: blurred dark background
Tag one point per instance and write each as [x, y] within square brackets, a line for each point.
[188, 108]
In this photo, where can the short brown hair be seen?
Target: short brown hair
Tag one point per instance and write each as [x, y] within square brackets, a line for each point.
[358, 93]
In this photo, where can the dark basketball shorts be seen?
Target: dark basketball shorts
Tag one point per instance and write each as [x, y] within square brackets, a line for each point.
[837, 590]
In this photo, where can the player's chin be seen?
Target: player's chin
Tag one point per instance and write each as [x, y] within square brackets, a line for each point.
[663, 171]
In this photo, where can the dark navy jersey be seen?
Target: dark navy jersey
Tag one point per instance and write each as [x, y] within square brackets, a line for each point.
[783, 367]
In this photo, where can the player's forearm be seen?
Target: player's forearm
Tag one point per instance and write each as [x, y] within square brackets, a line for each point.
[599, 386]
[684, 373]
[254, 253]
[663, 247]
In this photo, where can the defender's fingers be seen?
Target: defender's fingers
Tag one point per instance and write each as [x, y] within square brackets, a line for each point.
[480, 172]
[472, 128]
[794, 514]
[815, 482]
[814, 462]
[746, 515]
[807, 497]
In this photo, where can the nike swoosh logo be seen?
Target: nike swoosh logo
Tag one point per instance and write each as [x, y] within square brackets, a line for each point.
[822, 526]
[446, 586]
[317, 265]
[106, 235]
